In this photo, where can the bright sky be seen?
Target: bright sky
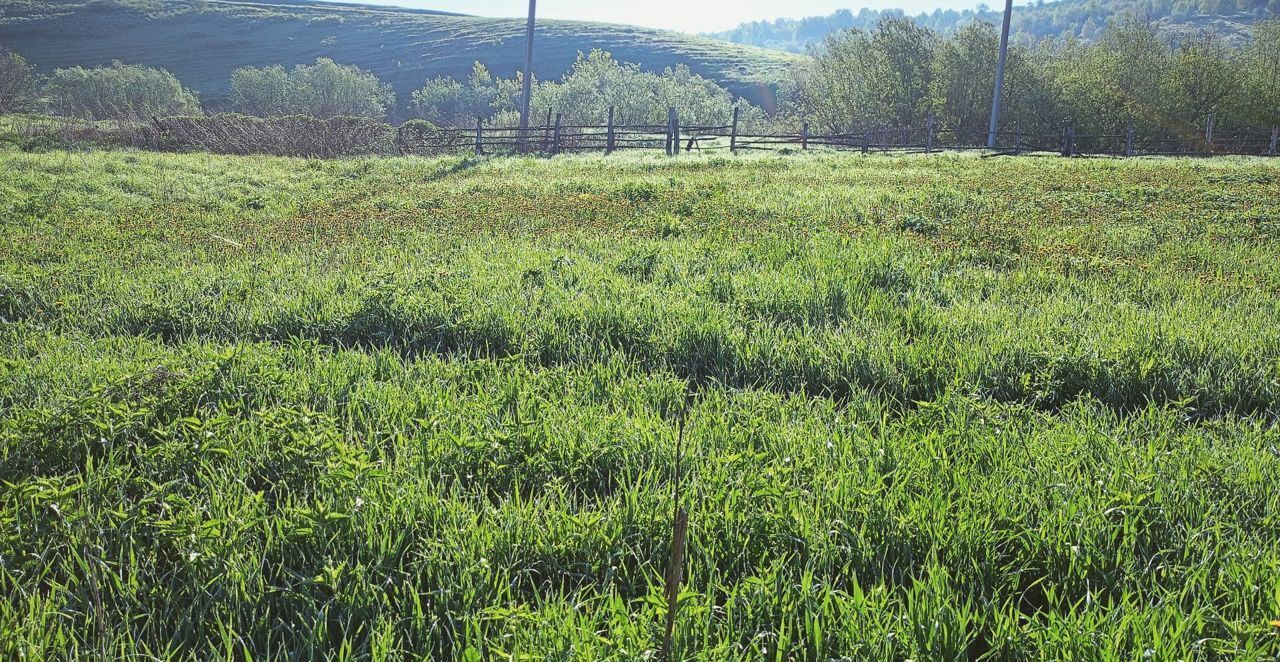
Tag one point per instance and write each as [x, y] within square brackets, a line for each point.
[685, 15]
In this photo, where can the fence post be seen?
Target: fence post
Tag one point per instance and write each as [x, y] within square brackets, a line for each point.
[1208, 135]
[555, 148]
[675, 132]
[1017, 139]
[1275, 133]
[546, 133]
[479, 136]
[1069, 141]
[866, 141]
[609, 142]
[671, 124]
[804, 136]
[733, 135]
[928, 141]
[1128, 139]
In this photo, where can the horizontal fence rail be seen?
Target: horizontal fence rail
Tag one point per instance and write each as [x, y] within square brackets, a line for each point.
[352, 136]
[556, 136]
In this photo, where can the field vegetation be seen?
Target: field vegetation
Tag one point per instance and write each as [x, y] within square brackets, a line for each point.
[933, 408]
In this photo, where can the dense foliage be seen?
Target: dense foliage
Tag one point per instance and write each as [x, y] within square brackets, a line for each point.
[935, 408]
[325, 90]
[118, 92]
[17, 82]
[595, 83]
[1066, 19]
[899, 72]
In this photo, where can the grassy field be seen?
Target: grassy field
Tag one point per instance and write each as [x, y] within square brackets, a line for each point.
[933, 408]
[404, 47]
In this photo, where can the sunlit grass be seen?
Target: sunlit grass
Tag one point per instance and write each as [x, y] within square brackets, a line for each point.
[935, 408]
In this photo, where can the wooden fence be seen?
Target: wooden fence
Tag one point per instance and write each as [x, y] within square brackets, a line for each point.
[556, 136]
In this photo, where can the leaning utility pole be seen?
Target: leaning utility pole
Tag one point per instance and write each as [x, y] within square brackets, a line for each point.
[528, 74]
[1004, 54]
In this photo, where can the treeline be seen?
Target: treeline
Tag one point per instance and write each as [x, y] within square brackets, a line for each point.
[895, 74]
[594, 84]
[899, 73]
[327, 90]
[1075, 19]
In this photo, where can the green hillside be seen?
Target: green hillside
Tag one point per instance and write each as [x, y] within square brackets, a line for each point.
[1080, 19]
[202, 41]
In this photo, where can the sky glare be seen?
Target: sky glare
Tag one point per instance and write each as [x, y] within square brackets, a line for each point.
[684, 15]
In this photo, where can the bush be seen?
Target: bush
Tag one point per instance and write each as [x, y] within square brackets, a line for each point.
[17, 82]
[119, 92]
[447, 100]
[422, 137]
[325, 89]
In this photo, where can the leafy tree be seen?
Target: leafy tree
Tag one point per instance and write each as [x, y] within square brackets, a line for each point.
[963, 79]
[1261, 60]
[120, 92]
[584, 94]
[264, 92]
[17, 82]
[449, 101]
[907, 52]
[859, 78]
[324, 89]
[1205, 79]
[837, 90]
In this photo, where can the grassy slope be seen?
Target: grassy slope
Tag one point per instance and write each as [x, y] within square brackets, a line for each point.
[937, 406]
[202, 43]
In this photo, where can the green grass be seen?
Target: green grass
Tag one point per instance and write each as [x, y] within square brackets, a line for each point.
[935, 408]
[403, 47]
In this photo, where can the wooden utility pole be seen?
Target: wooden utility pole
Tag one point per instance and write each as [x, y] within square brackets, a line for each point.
[528, 73]
[1004, 55]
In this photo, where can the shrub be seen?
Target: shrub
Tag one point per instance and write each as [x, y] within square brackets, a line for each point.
[119, 92]
[447, 100]
[423, 137]
[17, 82]
[325, 89]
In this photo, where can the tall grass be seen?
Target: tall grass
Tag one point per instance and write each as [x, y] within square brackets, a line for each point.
[939, 408]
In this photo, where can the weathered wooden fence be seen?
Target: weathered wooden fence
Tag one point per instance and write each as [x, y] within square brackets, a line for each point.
[556, 136]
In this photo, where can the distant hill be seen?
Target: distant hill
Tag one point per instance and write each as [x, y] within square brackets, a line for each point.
[202, 41]
[1082, 19]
